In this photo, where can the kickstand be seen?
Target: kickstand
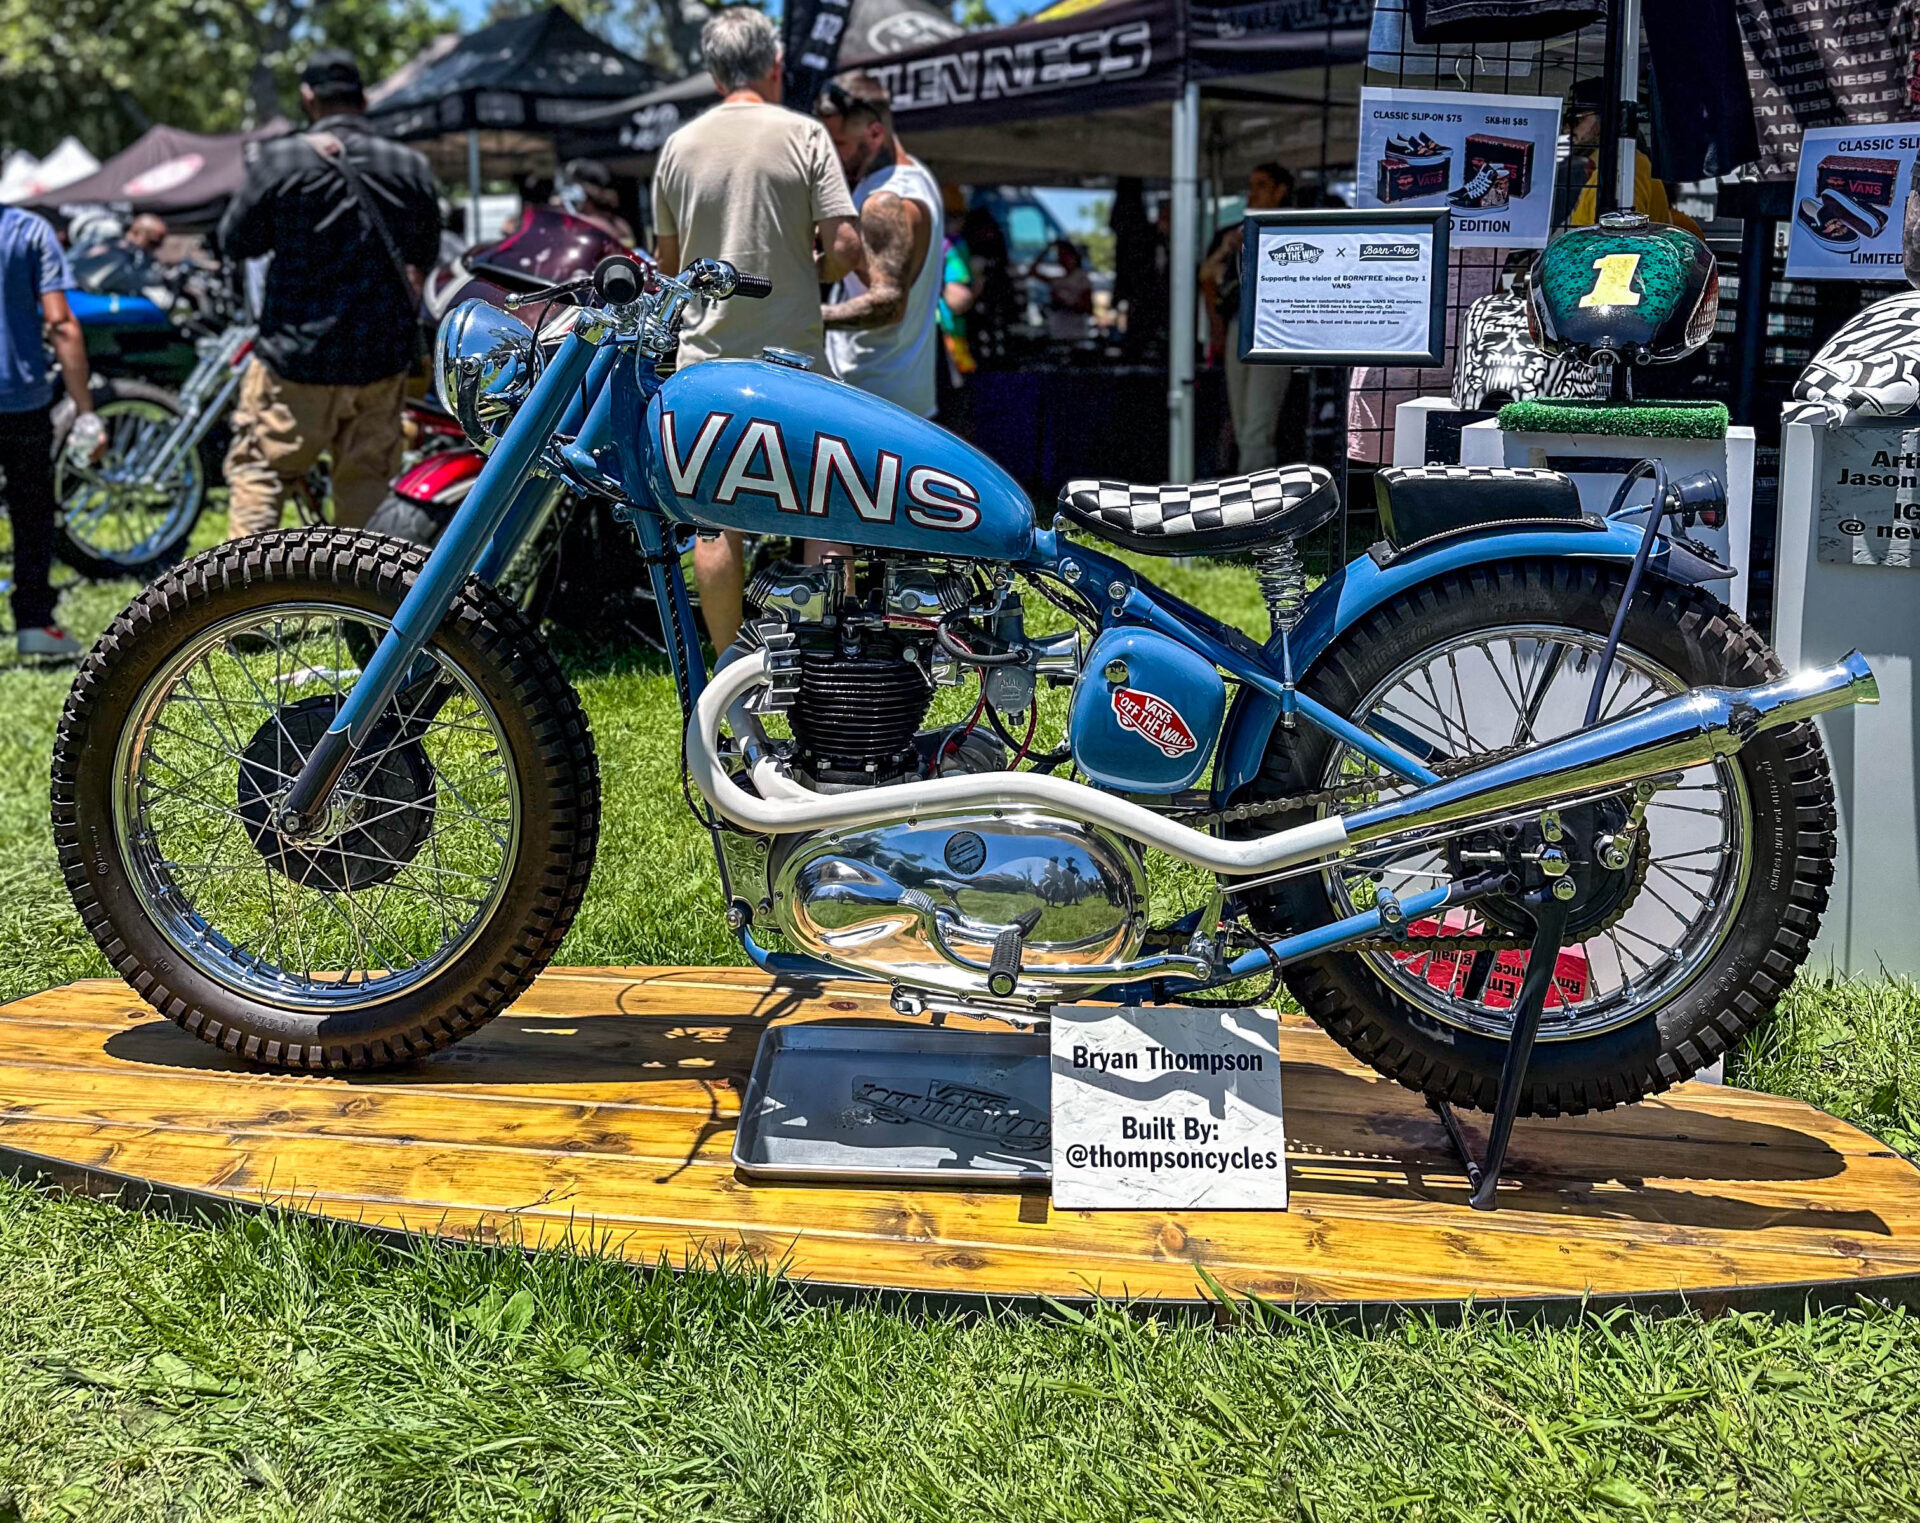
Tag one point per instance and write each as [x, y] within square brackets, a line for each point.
[1483, 1178]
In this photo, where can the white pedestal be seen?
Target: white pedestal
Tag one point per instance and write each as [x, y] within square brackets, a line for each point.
[1731, 459]
[1410, 428]
[1822, 610]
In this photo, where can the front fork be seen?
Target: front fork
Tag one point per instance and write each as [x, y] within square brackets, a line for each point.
[487, 509]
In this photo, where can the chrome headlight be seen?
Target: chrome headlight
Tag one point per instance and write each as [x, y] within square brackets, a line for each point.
[483, 367]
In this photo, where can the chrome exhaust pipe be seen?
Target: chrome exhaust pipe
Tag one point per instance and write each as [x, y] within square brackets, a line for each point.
[1685, 731]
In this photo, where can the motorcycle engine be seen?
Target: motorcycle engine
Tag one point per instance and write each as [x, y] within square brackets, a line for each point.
[856, 679]
[921, 902]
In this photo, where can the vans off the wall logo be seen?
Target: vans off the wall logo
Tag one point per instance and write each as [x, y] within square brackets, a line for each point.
[1153, 719]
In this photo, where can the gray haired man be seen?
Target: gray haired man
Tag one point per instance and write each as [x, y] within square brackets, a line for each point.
[754, 185]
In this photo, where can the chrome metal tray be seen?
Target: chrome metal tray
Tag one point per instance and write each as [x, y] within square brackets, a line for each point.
[910, 1103]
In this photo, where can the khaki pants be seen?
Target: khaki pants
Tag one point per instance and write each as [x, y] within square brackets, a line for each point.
[1255, 395]
[282, 428]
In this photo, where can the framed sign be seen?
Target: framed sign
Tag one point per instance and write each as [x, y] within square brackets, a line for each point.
[1488, 159]
[1338, 287]
[1849, 202]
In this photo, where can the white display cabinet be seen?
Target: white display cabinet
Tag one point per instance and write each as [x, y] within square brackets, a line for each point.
[1848, 577]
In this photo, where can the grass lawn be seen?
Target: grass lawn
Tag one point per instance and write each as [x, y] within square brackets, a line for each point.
[279, 1370]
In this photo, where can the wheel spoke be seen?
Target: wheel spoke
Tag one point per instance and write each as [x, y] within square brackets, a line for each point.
[409, 859]
[1524, 686]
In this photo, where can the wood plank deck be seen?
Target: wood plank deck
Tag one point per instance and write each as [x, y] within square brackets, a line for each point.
[604, 1104]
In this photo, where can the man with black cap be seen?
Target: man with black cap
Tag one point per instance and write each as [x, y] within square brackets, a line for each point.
[352, 223]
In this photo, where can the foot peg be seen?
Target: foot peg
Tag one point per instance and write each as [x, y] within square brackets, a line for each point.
[1003, 967]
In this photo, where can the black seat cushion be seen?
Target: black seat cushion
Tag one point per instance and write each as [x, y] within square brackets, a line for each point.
[1417, 502]
[1205, 517]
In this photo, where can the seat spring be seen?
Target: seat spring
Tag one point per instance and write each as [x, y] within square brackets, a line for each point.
[1283, 583]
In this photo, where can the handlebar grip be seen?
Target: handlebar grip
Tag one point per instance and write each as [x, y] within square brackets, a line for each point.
[754, 286]
[617, 280]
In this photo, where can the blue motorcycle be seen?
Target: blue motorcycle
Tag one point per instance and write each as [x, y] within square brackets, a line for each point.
[328, 801]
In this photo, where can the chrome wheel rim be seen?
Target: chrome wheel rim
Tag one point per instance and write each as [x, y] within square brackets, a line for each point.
[1526, 684]
[105, 511]
[346, 918]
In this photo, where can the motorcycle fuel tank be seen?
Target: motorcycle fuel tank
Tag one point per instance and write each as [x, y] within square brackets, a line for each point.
[770, 449]
[1146, 712]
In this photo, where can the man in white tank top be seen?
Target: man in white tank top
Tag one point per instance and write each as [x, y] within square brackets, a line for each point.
[881, 333]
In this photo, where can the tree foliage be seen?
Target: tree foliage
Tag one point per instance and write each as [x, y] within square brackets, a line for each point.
[106, 70]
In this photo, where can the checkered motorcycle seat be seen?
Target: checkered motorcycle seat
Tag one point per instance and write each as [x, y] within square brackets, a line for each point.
[1205, 517]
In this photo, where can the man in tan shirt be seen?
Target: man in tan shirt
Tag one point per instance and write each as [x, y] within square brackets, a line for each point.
[755, 185]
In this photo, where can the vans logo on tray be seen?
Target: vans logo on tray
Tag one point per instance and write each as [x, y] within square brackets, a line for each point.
[1154, 720]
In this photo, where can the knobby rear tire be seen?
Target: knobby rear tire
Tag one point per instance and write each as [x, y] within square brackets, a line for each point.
[549, 745]
[1704, 643]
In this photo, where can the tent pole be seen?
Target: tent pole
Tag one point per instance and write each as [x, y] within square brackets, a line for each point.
[1183, 277]
[474, 234]
[1629, 114]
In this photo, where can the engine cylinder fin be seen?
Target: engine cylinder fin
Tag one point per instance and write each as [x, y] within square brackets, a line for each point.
[856, 715]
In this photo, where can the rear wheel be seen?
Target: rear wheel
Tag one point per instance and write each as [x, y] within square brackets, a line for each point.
[452, 857]
[1667, 960]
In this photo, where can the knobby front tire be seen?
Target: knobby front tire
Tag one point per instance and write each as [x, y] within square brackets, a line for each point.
[191, 945]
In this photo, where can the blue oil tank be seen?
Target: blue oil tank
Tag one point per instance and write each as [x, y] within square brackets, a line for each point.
[769, 449]
[1146, 712]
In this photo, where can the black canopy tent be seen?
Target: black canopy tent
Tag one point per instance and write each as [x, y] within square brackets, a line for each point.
[504, 88]
[1085, 90]
[628, 134]
[186, 177]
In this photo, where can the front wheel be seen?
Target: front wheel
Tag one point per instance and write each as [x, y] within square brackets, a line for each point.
[1669, 959]
[130, 513]
[452, 856]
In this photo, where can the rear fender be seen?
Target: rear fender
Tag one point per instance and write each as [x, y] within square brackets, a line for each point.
[1347, 596]
[443, 478]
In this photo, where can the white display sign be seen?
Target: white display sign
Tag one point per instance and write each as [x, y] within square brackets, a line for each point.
[1489, 159]
[1344, 293]
[1870, 497]
[1167, 1108]
[1849, 200]
[1344, 287]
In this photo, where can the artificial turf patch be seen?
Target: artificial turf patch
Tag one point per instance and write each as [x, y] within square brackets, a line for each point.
[1653, 420]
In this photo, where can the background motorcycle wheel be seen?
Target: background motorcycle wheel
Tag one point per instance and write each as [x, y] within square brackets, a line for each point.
[1713, 918]
[455, 851]
[532, 575]
[104, 533]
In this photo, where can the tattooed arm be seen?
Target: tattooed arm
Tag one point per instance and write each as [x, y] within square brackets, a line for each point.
[896, 235]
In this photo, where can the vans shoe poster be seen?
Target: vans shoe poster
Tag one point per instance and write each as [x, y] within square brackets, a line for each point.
[1848, 201]
[1489, 159]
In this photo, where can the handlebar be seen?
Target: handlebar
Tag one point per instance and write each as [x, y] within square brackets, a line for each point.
[617, 280]
[756, 286]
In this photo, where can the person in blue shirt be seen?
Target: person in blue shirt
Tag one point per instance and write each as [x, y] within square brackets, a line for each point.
[33, 312]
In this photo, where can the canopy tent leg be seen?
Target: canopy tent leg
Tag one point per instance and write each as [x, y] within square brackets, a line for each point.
[1619, 138]
[1183, 275]
[474, 233]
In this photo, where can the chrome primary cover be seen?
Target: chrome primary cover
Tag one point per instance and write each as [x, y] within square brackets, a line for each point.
[875, 898]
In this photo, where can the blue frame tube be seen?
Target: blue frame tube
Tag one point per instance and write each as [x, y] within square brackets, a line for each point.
[1322, 938]
[447, 569]
[1142, 605]
[670, 595]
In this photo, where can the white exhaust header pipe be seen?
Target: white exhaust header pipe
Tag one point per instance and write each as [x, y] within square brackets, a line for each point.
[1685, 731]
